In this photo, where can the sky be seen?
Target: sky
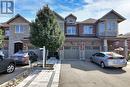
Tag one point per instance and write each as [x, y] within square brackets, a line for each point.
[82, 9]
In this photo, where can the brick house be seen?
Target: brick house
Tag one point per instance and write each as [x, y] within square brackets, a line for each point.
[19, 33]
[89, 36]
[82, 38]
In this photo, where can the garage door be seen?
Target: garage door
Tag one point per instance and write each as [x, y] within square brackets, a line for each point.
[71, 52]
[90, 50]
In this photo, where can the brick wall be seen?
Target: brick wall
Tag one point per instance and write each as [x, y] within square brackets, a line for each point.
[79, 29]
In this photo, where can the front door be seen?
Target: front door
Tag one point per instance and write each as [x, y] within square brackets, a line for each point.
[18, 46]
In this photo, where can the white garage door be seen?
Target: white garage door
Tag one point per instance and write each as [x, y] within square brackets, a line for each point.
[90, 50]
[71, 52]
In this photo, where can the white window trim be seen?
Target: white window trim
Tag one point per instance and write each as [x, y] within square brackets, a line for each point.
[110, 25]
[71, 30]
[89, 30]
[19, 29]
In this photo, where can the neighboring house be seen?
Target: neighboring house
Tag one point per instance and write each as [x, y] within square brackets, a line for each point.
[82, 38]
[128, 40]
[120, 44]
[91, 35]
[19, 33]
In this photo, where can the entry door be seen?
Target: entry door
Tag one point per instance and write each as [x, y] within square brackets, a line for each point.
[18, 46]
[71, 52]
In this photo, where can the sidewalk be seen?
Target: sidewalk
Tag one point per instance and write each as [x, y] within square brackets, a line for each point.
[43, 78]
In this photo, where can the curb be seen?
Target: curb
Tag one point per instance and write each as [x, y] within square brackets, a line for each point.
[57, 68]
[20, 77]
[15, 81]
[43, 78]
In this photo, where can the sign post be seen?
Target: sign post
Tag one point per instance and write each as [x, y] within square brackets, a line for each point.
[44, 50]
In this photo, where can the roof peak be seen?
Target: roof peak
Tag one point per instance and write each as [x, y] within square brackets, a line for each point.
[17, 15]
[71, 15]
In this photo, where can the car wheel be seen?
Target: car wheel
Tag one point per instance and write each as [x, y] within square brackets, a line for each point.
[10, 68]
[102, 65]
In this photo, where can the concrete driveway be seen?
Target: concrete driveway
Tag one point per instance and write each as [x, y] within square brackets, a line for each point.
[87, 74]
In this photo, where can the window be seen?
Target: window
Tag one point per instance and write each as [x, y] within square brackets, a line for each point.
[100, 55]
[6, 32]
[101, 27]
[19, 28]
[71, 30]
[71, 20]
[88, 29]
[111, 24]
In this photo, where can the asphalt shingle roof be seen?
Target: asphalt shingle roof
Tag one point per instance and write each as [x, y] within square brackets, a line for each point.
[89, 21]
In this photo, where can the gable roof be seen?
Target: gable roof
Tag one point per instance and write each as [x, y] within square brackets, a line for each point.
[89, 21]
[71, 15]
[16, 16]
[58, 15]
[114, 12]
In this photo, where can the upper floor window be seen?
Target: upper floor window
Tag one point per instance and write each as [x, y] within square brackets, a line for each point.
[19, 28]
[7, 32]
[71, 30]
[71, 20]
[88, 29]
[111, 24]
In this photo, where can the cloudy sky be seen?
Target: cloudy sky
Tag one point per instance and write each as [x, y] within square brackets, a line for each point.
[83, 9]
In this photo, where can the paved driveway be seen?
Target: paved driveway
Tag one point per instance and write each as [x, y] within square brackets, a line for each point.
[87, 74]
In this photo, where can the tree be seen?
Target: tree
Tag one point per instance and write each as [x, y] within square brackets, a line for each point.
[1, 38]
[45, 30]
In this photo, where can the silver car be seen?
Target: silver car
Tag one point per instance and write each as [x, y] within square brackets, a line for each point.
[109, 59]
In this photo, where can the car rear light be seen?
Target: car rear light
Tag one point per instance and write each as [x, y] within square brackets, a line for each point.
[110, 58]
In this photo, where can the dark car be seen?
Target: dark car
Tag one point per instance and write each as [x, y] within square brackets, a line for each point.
[53, 54]
[24, 57]
[6, 65]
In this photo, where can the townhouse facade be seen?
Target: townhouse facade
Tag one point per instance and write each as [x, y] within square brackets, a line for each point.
[82, 39]
[90, 36]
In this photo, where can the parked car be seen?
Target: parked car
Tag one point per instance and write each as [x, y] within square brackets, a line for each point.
[6, 65]
[23, 57]
[109, 59]
[53, 54]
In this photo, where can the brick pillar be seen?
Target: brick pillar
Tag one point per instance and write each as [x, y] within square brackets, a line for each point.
[82, 51]
[105, 45]
[126, 49]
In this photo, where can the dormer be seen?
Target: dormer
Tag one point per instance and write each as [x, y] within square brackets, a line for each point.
[108, 24]
[70, 19]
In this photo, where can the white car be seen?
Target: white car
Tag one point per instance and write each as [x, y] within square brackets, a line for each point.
[109, 59]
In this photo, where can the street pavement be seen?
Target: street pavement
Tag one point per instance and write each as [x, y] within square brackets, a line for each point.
[6, 77]
[87, 74]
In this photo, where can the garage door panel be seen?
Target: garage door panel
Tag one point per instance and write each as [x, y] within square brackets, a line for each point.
[71, 52]
[90, 50]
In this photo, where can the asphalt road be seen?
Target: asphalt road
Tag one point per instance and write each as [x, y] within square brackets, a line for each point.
[86, 74]
[6, 77]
